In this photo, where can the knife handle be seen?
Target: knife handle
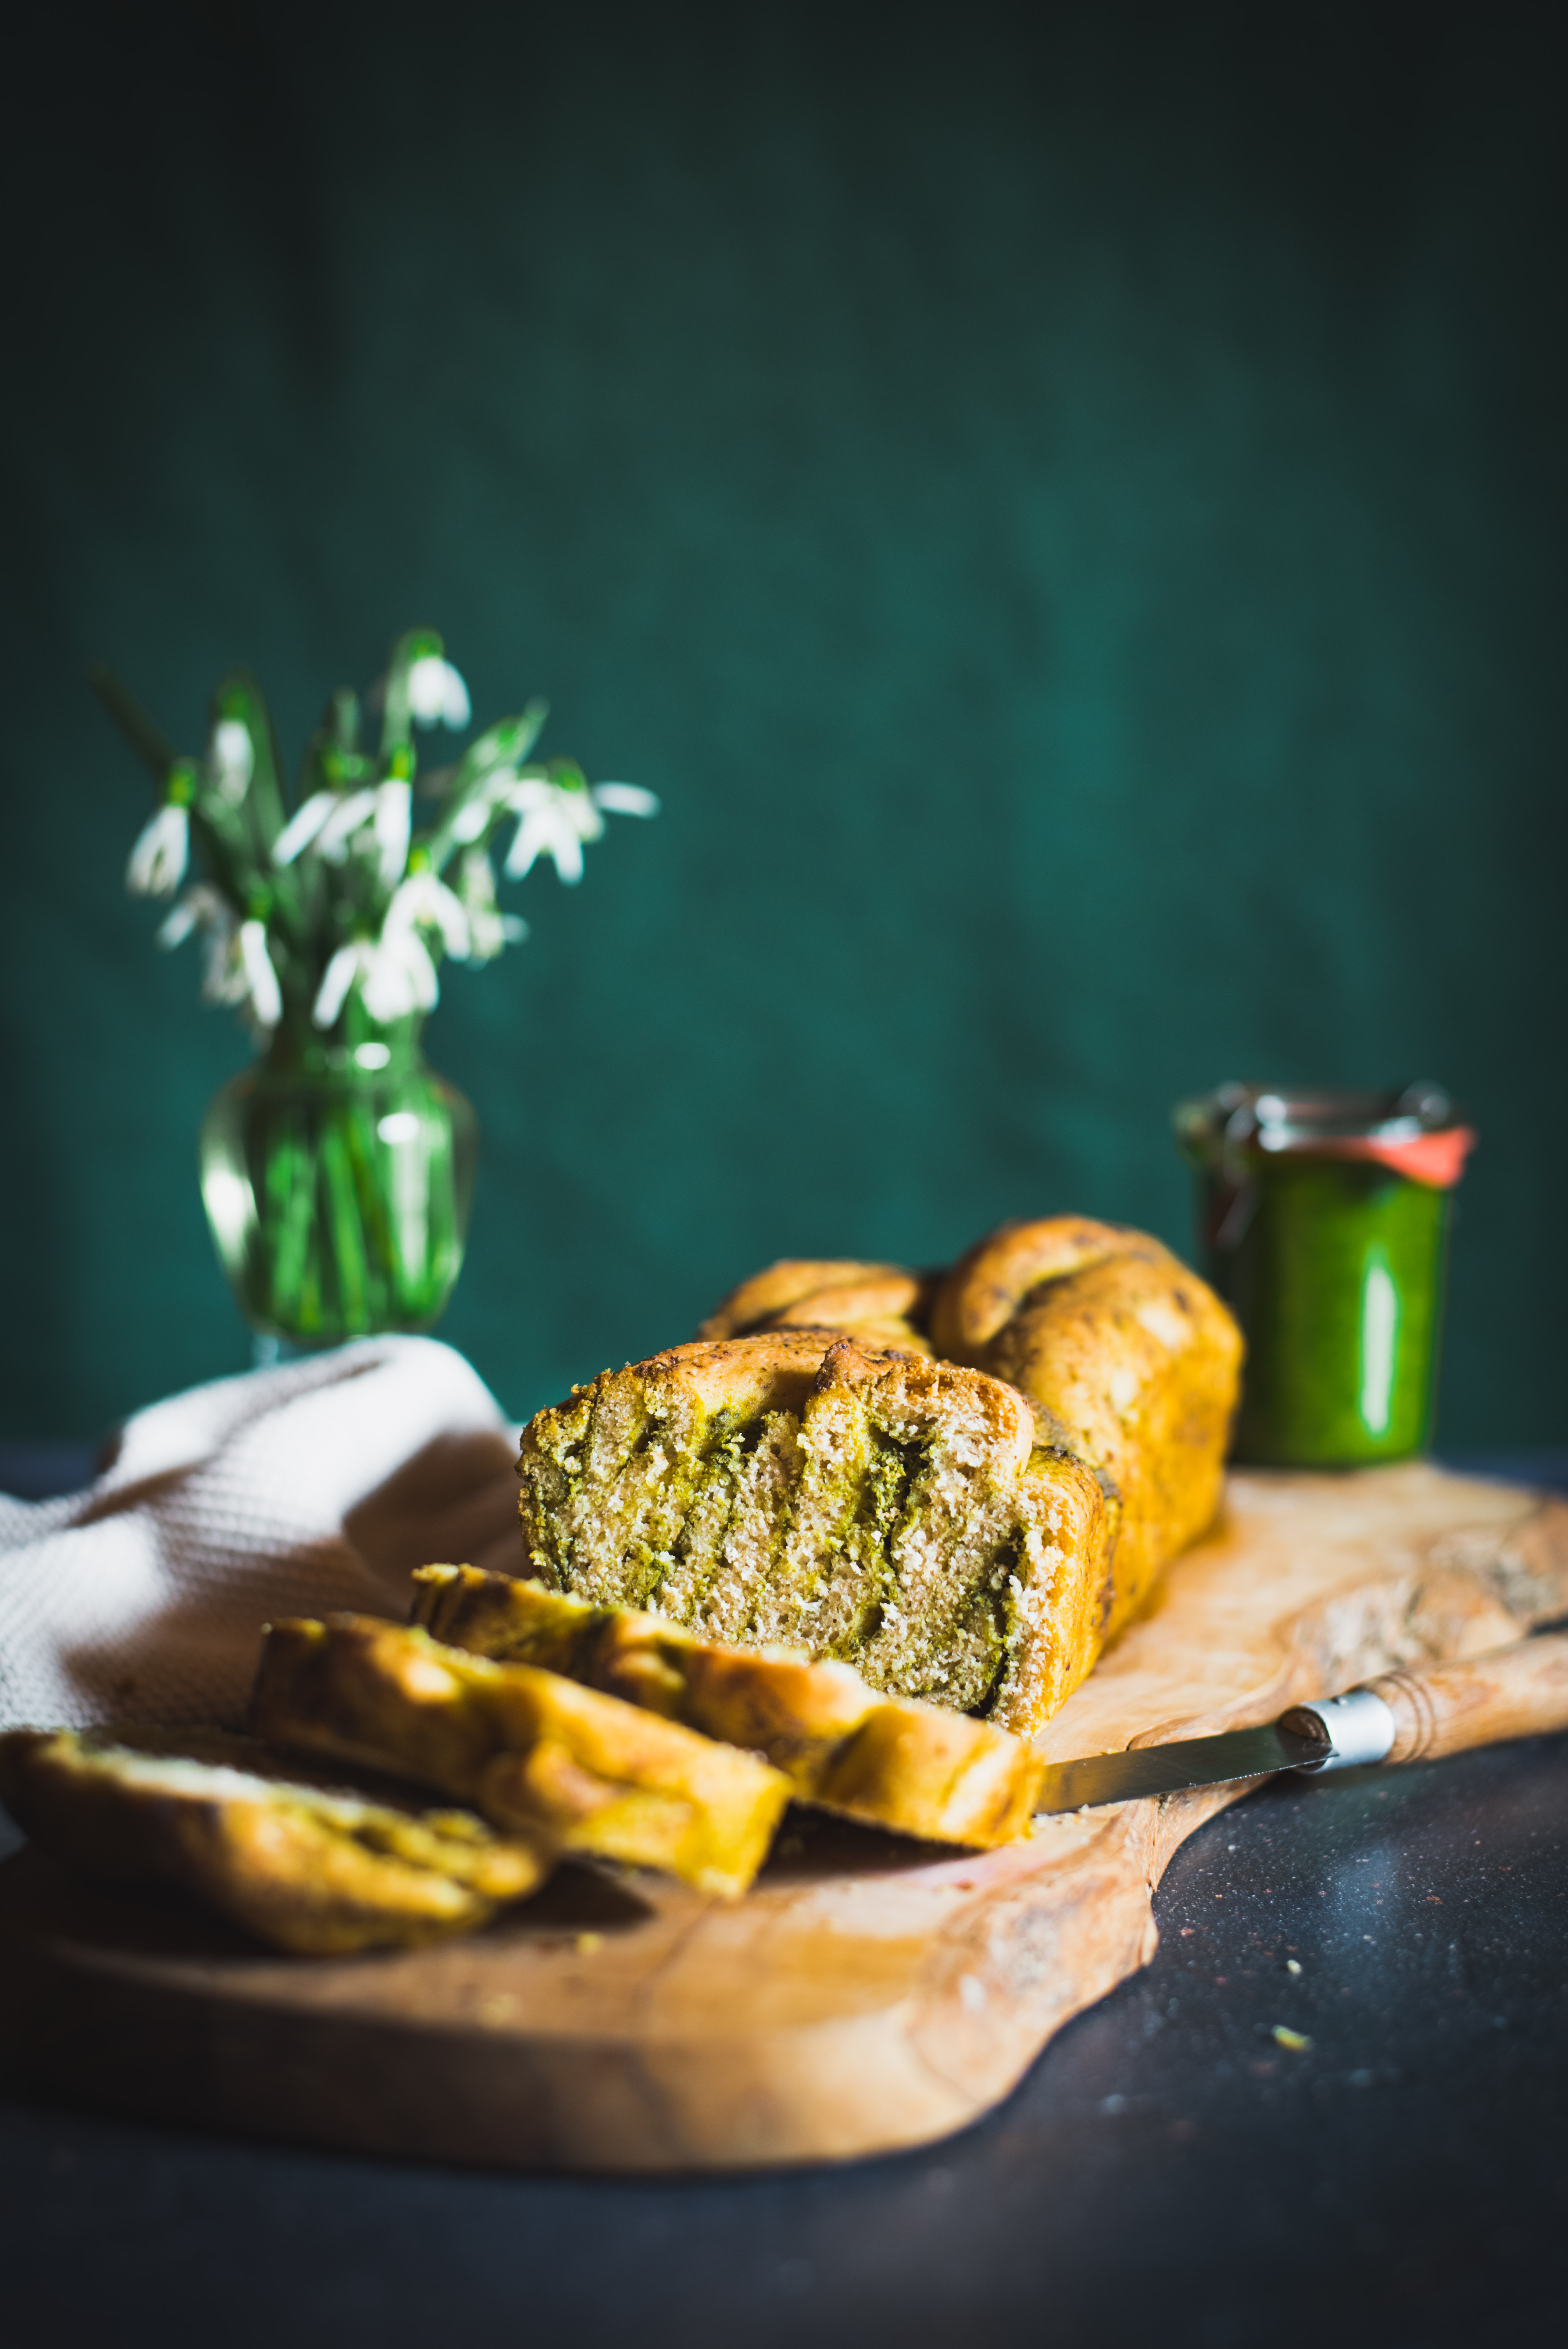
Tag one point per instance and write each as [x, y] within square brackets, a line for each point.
[1519, 1690]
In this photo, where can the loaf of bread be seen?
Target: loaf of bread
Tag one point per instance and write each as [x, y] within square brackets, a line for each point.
[890, 1511]
[317, 1870]
[917, 1768]
[812, 1469]
[537, 1754]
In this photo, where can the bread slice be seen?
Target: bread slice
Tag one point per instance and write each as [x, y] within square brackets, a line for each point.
[914, 1768]
[317, 1870]
[535, 1752]
[874, 1507]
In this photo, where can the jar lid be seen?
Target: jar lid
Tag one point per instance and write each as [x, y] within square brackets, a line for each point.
[1417, 1131]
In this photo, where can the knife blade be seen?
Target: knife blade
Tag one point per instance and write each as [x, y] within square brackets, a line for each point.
[1145, 1770]
[1518, 1690]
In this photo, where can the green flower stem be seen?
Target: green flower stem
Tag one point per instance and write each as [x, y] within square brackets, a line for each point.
[150, 744]
[348, 1250]
[366, 1157]
[289, 1215]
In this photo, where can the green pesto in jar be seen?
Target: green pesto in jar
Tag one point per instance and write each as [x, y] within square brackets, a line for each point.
[1334, 1267]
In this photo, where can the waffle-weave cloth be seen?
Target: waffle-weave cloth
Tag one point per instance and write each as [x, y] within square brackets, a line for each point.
[315, 1486]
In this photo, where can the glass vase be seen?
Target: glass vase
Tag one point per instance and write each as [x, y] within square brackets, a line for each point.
[338, 1175]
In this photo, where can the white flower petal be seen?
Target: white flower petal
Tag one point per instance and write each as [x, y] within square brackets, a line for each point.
[422, 976]
[232, 758]
[385, 990]
[353, 811]
[163, 850]
[548, 829]
[222, 977]
[177, 927]
[426, 689]
[303, 827]
[457, 709]
[422, 897]
[529, 792]
[336, 979]
[567, 850]
[437, 694]
[394, 826]
[400, 978]
[625, 799]
[526, 844]
[473, 817]
[266, 996]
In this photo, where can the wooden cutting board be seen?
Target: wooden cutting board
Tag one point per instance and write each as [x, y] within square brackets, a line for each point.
[869, 1994]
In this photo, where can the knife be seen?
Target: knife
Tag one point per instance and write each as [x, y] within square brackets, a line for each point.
[1513, 1692]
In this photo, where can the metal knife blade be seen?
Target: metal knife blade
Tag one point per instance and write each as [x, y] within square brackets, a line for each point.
[1170, 1769]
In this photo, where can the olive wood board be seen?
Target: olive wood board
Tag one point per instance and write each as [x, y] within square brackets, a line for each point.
[869, 1994]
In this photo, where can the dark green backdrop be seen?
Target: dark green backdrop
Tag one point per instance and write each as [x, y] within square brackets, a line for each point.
[1066, 506]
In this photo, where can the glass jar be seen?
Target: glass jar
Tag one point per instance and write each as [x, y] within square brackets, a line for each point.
[338, 1177]
[1323, 1221]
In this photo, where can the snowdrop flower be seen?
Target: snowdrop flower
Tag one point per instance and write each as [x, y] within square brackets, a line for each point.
[395, 975]
[158, 862]
[204, 909]
[437, 694]
[238, 968]
[328, 818]
[496, 790]
[329, 821]
[393, 972]
[489, 929]
[260, 979]
[231, 759]
[394, 820]
[557, 818]
[424, 902]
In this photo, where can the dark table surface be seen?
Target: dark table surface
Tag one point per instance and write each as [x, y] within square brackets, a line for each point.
[1168, 2170]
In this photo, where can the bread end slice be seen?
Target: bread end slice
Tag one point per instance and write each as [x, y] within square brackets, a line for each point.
[317, 1870]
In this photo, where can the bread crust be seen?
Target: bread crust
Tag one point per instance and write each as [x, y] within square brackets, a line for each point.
[990, 1280]
[881, 1304]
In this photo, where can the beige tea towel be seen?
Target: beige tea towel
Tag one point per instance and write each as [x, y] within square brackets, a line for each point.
[285, 1492]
